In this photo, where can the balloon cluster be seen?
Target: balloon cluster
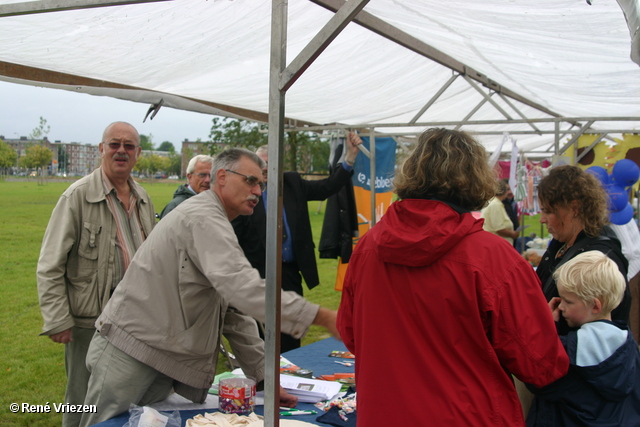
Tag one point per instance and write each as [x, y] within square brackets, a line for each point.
[625, 173]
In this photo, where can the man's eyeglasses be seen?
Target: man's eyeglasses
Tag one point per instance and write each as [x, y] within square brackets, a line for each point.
[251, 180]
[203, 175]
[116, 146]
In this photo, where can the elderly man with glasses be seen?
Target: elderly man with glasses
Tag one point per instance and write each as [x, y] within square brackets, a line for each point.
[191, 282]
[95, 229]
[198, 180]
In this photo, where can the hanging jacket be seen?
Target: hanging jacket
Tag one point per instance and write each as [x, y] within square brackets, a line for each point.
[439, 313]
[340, 223]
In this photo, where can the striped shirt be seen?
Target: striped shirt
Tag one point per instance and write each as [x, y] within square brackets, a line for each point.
[129, 231]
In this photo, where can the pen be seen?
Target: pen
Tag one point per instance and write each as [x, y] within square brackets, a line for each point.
[297, 412]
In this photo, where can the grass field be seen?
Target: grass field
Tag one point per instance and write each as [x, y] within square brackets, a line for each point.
[32, 366]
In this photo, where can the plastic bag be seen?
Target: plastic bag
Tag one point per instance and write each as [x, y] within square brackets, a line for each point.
[144, 416]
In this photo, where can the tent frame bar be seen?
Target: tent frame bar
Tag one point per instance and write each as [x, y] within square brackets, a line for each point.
[557, 120]
[281, 78]
[45, 6]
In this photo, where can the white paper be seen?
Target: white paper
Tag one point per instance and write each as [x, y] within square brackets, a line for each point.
[309, 390]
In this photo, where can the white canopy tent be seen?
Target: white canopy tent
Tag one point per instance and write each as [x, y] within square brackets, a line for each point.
[537, 70]
[554, 61]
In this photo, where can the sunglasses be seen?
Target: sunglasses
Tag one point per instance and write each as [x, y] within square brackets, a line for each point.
[251, 180]
[116, 146]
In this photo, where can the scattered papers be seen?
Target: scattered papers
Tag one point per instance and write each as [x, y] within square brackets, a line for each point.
[308, 390]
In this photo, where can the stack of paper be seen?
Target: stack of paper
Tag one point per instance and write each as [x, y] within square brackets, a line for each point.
[309, 390]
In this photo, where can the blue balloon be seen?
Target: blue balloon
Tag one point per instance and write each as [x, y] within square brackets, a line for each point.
[600, 173]
[622, 217]
[618, 197]
[625, 172]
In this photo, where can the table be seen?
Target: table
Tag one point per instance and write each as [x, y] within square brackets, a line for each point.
[313, 356]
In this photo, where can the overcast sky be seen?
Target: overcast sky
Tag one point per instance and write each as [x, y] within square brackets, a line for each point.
[77, 117]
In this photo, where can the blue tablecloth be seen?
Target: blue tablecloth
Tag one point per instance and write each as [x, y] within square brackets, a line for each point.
[314, 357]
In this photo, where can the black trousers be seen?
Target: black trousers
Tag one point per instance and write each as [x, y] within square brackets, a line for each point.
[291, 281]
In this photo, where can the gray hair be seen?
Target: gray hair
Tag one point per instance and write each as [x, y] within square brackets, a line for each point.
[263, 149]
[229, 158]
[202, 158]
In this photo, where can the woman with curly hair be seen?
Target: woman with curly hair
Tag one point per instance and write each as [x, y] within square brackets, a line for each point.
[574, 208]
[438, 312]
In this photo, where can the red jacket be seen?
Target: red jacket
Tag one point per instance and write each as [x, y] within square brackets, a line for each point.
[439, 314]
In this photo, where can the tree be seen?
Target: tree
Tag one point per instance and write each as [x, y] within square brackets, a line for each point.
[175, 164]
[309, 152]
[41, 131]
[146, 142]
[304, 151]
[167, 146]
[227, 132]
[8, 157]
[142, 164]
[37, 156]
[151, 164]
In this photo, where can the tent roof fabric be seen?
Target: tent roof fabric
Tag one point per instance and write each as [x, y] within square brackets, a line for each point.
[213, 56]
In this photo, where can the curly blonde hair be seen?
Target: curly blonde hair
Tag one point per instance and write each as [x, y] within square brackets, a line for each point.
[447, 165]
[566, 184]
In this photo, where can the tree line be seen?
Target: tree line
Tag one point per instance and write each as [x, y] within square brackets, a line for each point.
[303, 151]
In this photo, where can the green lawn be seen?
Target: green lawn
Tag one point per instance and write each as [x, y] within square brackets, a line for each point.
[32, 367]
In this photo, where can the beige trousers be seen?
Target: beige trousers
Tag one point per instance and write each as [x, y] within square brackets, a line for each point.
[118, 380]
[75, 354]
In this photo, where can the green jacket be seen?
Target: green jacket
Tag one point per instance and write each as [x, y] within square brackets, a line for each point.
[74, 271]
[181, 194]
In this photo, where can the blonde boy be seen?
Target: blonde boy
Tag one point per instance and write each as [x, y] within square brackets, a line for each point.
[602, 386]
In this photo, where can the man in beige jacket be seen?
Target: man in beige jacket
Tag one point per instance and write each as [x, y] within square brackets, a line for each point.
[94, 231]
[187, 285]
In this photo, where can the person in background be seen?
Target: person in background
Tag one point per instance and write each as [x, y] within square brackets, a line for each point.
[495, 216]
[574, 209]
[193, 283]
[438, 312]
[602, 387]
[95, 229]
[298, 255]
[629, 237]
[198, 180]
[510, 205]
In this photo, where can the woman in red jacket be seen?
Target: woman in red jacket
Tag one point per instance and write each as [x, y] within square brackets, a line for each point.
[438, 312]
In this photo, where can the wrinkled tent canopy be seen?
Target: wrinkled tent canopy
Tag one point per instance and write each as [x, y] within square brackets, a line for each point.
[567, 57]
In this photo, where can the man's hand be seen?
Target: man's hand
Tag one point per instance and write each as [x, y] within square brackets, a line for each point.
[62, 337]
[353, 140]
[327, 319]
[287, 400]
[554, 306]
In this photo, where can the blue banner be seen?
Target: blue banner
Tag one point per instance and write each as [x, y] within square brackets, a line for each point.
[385, 165]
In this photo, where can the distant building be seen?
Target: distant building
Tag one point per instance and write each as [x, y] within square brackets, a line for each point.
[81, 159]
[189, 150]
[75, 159]
[20, 145]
